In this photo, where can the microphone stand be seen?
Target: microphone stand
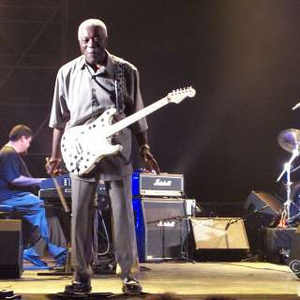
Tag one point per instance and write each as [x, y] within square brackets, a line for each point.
[245, 217]
[181, 219]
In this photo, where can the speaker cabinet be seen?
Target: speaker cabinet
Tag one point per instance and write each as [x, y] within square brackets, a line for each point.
[294, 254]
[219, 233]
[277, 244]
[263, 203]
[11, 249]
[261, 210]
[161, 228]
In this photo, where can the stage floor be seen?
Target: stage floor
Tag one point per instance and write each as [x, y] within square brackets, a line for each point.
[239, 280]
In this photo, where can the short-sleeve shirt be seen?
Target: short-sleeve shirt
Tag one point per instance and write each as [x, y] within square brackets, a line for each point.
[80, 94]
[12, 166]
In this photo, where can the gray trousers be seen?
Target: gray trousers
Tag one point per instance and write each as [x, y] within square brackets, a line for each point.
[124, 240]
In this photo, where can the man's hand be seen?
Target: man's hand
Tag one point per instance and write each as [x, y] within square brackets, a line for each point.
[149, 160]
[53, 166]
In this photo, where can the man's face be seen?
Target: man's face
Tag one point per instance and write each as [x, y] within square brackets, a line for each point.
[25, 144]
[93, 41]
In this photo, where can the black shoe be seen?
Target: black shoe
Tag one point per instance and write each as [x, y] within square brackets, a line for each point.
[78, 287]
[131, 286]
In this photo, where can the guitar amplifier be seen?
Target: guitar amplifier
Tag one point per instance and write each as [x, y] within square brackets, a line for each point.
[161, 226]
[163, 185]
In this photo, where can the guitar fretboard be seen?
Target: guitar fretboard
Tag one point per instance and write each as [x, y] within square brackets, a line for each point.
[116, 127]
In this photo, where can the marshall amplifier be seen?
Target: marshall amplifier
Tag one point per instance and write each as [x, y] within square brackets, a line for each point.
[161, 226]
[164, 185]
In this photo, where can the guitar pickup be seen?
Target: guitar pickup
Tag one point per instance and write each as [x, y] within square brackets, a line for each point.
[79, 148]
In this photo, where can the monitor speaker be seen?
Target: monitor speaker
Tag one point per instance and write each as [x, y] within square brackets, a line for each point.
[161, 228]
[11, 250]
[263, 203]
[261, 210]
[219, 233]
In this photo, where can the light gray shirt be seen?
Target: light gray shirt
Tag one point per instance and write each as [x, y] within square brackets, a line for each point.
[81, 94]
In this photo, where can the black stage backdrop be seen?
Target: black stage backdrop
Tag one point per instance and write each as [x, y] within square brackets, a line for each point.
[242, 57]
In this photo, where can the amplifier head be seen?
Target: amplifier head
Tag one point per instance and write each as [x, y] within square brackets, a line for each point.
[165, 185]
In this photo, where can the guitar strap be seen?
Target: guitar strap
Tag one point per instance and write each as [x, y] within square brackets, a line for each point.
[119, 82]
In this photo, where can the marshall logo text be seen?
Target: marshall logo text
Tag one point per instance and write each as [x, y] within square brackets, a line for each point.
[159, 182]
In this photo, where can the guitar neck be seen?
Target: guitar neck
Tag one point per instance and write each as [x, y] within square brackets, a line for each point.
[120, 125]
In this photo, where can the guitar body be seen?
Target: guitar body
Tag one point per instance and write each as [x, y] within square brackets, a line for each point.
[83, 146]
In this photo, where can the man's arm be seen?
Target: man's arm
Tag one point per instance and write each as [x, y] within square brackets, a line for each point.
[148, 158]
[52, 164]
[26, 181]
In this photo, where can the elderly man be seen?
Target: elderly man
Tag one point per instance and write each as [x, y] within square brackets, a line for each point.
[85, 87]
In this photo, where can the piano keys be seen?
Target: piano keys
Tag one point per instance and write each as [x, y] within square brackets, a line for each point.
[48, 191]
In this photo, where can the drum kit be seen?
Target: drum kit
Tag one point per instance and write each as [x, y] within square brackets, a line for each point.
[289, 140]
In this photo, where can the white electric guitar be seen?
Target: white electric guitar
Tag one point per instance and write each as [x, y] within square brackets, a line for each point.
[83, 146]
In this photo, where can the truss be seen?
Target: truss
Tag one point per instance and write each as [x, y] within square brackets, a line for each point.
[33, 44]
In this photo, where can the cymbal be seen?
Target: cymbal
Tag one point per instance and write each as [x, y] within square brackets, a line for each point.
[289, 139]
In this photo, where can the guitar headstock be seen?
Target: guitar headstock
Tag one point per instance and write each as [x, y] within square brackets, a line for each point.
[176, 96]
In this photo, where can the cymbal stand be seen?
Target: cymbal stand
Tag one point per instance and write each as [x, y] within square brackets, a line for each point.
[288, 186]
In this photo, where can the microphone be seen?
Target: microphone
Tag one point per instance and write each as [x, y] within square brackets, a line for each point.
[296, 106]
[227, 225]
[261, 209]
